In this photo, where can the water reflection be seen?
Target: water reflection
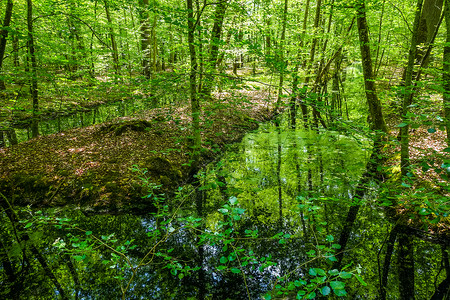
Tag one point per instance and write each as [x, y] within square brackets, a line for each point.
[20, 130]
[296, 188]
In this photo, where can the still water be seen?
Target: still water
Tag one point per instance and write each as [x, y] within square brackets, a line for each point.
[264, 222]
[80, 118]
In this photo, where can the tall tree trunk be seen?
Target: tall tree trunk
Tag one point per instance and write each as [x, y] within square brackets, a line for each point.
[446, 74]
[376, 114]
[3, 36]
[33, 70]
[145, 38]
[281, 55]
[115, 53]
[404, 130]
[215, 42]
[295, 81]
[309, 65]
[195, 102]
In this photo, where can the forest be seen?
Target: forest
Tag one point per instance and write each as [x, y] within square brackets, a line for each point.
[228, 149]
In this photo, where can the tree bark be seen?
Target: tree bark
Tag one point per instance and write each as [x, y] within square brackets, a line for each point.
[282, 63]
[295, 81]
[373, 102]
[446, 73]
[3, 36]
[115, 54]
[195, 103]
[216, 33]
[145, 39]
[33, 70]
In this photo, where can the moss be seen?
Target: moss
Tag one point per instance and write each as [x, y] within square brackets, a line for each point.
[163, 170]
[119, 128]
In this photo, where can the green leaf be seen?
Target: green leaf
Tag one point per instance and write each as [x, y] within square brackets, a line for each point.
[223, 210]
[88, 232]
[332, 258]
[337, 285]
[311, 295]
[312, 272]
[333, 272]
[336, 246]
[446, 149]
[340, 293]
[424, 211]
[240, 211]
[321, 272]
[325, 291]
[79, 257]
[402, 125]
[28, 225]
[300, 294]
[360, 280]
[235, 270]
[435, 220]
[405, 185]
[330, 238]
[223, 260]
[300, 282]
[233, 200]
[431, 130]
[345, 275]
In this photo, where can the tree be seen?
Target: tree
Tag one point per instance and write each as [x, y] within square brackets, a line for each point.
[33, 70]
[112, 36]
[194, 99]
[3, 37]
[145, 38]
[215, 42]
[446, 72]
[375, 109]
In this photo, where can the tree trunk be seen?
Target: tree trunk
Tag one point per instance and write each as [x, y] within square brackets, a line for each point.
[446, 73]
[195, 103]
[282, 63]
[373, 102]
[295, 89]
[33, 70]
[216, 33]
[145, 39]
[115, 54]
[3, 36]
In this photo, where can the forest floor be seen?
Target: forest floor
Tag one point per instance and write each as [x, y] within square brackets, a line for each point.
[422, 198]
[97, 167]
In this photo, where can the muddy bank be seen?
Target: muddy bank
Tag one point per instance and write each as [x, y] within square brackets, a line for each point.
[91, 167]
